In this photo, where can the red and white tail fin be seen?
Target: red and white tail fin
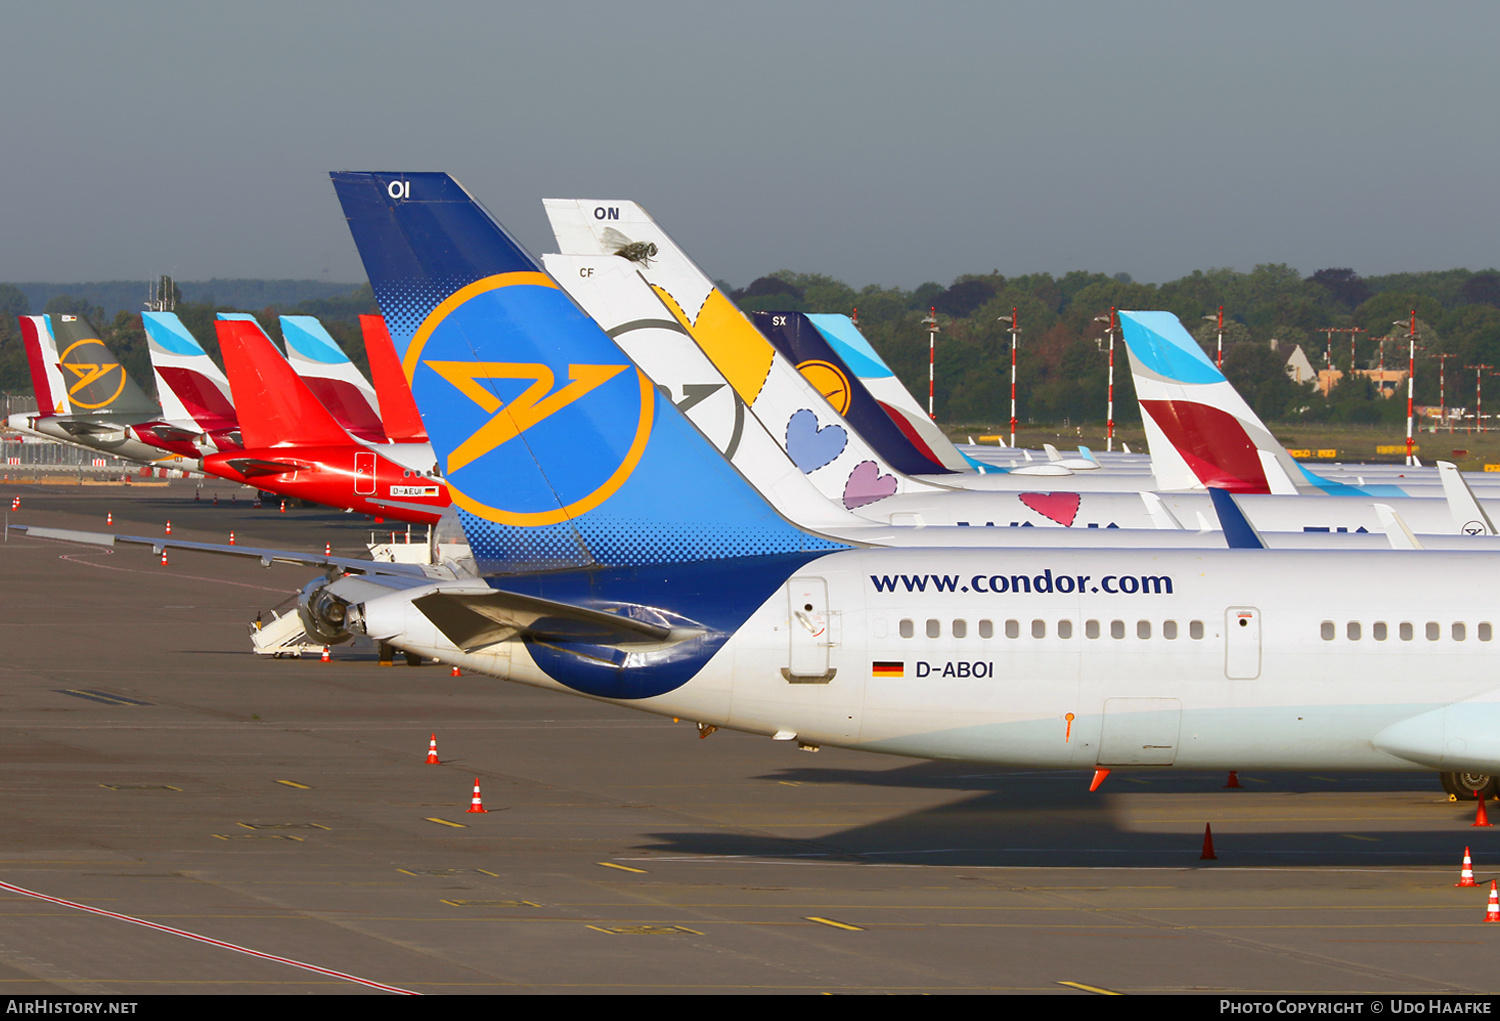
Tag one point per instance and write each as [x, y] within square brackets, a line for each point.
[398, 412]
[332, 377]
[1200, 430]
[41, 359]
[275, 406]
[191, 387]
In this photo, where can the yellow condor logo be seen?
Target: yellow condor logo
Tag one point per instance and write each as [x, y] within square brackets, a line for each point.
[87, 373]
[536, 403]
[542, 399]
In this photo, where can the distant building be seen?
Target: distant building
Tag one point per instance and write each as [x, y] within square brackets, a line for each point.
[1388, 382]
[1294, 360]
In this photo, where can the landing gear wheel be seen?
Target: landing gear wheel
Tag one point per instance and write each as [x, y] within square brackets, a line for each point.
[1462, 786]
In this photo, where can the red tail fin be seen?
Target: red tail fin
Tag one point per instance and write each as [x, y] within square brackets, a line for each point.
[274, 405]
[403, 424]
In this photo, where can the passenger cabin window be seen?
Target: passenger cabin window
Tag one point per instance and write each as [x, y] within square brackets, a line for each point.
[1065, 629]
[1353, 631]
[1117, 629]
[908, 629]
[1459, 632]
[1407, 631]
[960, 629]
[934, 629]
[1330, 630]
[1039, 629]
[1091, 629]
[1143, 629]
[1378, 631]
[986, 629]
[1434, 630]
[1195, 630]
[1169, 630]
[1485, 633]
[1013, 629]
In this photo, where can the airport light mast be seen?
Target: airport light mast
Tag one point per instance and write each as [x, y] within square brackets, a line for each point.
[1110, 413]
[1443, 389]
[1479, 392]
[1411, 377]
[1013, 329]
[1220, 362]
[932, 331]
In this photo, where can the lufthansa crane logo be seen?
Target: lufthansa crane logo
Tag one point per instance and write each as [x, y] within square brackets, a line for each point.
[527, 438]
[86, 375]
[829, 381]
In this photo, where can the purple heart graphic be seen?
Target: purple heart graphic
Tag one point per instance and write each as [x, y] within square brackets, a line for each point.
[809, 447]
[866, 485]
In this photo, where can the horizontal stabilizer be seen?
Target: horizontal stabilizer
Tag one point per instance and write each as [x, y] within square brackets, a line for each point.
[472, 621]
[254, 467]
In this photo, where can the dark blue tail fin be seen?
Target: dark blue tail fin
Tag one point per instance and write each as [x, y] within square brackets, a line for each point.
[558, 451]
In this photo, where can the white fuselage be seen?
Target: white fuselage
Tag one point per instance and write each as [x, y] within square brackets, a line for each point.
[1060, 658]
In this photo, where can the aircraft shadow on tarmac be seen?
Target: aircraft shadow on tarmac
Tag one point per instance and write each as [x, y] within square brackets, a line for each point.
[1139, 819]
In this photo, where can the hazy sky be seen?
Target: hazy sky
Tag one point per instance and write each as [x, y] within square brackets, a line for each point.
[877, 142]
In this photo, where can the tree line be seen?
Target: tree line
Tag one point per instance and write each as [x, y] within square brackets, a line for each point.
[1062, 361]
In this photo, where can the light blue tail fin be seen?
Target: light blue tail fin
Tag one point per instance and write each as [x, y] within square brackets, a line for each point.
[558, 451]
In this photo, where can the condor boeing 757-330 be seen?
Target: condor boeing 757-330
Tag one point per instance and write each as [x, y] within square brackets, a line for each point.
[622, 558]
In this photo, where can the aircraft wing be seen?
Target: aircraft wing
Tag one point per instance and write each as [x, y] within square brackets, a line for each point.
[350, 565]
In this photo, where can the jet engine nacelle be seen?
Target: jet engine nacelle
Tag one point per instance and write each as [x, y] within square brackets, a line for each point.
[324, 615]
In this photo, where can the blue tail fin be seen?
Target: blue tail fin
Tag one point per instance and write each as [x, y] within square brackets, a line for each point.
[558, 451]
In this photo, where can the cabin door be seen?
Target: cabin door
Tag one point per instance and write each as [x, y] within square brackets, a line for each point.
[364, 473]
[811, 631]
[1242, 643]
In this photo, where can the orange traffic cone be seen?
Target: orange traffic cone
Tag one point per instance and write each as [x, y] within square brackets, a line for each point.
[1466, 875]
[283, 506]
[432, 759]
[109, 518]
[15, 504]
[1481, 818]
[169, 527]
[216, 499]
[1208, 845]
[1234, 782]
[456, 672]
[477, 805]
[328, 549]
[164, 558]
[1491, 912]
[326, 657]
[231, 538]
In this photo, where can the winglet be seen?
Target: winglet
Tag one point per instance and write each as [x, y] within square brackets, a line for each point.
[1239, 533]
[1468, 514]
[1396, 530]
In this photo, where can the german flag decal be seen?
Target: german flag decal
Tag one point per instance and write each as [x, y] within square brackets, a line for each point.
[888, 669]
